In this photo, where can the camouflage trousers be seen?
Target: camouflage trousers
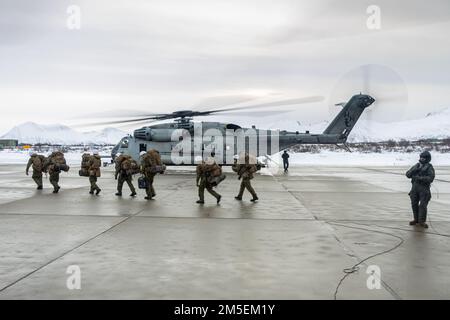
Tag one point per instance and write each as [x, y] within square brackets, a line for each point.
[54, 179]
[150, 190]
[420, 196]
[122, 179]
[37, 177]
[246, 184]
[201, 190]
[93, 182]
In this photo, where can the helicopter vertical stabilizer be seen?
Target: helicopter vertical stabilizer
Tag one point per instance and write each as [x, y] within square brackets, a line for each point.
[346, 119]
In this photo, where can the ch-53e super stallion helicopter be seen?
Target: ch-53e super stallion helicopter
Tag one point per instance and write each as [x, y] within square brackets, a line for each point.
[181, 141]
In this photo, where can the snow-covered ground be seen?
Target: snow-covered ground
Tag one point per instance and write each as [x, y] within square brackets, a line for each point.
[33, 133]
[21, 157]
[324, 158]
[343, 158]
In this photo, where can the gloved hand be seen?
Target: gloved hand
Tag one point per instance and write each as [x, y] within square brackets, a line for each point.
[418, 179]
[26, 172]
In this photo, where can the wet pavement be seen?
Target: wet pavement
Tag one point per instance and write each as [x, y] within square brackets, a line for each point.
[294, 243]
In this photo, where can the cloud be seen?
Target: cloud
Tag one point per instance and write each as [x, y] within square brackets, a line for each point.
[164, 55]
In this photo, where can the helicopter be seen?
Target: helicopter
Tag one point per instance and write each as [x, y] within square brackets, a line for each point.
[182, 141]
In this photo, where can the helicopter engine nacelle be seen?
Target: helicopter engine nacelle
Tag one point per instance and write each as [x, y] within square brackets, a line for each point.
[157, 135]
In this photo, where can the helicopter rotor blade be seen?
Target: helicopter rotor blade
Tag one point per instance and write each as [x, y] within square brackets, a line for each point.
[380, 82]
[311, 99]
[114, 122]
[121, 113]
[253, 113]
[223, 101]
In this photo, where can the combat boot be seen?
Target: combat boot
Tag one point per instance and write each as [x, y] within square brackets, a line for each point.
[133, 194]
[91, 192]
[39, 188]
[119, 194]
[200, 202]
[413, 223]
[98, 191]
[423, 225]
[238, 198]
[218, 199]
[148, 198]
[254, 199]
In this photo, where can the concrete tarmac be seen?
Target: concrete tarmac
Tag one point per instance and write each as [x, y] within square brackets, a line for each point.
[294, 243]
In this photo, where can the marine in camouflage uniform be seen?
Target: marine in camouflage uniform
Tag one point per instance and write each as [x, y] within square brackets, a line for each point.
[149, 160]
[245, 171]
[203, 172]
[421, 175]
[94, 164]
[54, 171]
[37, 165]
[123, 176]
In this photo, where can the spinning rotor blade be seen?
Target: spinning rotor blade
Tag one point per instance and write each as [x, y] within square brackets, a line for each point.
[382, 83]
[121, 113]
[255, 113]
[195, 113]
[311, 99]
[114, 122]
[223, 101]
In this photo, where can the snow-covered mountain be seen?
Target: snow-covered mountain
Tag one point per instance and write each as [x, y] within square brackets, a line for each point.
[33, 133]
[434, 125]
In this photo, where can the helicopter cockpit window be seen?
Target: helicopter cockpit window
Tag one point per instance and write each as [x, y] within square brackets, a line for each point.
[232, 126]
[124, 143]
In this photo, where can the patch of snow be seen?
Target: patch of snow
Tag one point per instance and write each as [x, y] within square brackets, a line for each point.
[33, 133]
[22, 157]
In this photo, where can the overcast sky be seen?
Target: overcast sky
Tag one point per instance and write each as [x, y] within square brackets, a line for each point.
[167, 55]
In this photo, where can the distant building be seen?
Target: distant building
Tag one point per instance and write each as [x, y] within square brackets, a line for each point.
[8, 143]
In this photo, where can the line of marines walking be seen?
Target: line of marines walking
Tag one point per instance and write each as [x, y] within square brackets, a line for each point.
[208, 176]
[208, 173]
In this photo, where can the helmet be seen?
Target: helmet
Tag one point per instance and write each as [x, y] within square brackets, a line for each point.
[426, 156]
[210, 161]
[142, 153]
[198, 159]
[32, 154]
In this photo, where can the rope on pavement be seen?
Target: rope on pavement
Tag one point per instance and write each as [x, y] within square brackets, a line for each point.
[354, 268]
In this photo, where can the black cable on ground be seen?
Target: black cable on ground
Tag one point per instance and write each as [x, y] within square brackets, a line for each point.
[397, 228]
[355, 267]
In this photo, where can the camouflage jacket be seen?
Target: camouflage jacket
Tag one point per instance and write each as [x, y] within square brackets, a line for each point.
[37, 164]
[150, 160]
[421, 173]
[93, 165]
[206, 170]
[244, 171]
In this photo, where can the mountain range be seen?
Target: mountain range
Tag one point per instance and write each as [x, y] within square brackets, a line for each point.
[434, 125]
[33, 133]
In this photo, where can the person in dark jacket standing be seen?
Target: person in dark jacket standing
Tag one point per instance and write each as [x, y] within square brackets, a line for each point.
[285, 157]
[421, 175]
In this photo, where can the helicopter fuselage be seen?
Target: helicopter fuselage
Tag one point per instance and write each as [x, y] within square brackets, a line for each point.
[182, 141]
[223, 141]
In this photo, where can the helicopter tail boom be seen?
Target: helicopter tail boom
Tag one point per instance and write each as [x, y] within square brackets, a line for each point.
[346, 119]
